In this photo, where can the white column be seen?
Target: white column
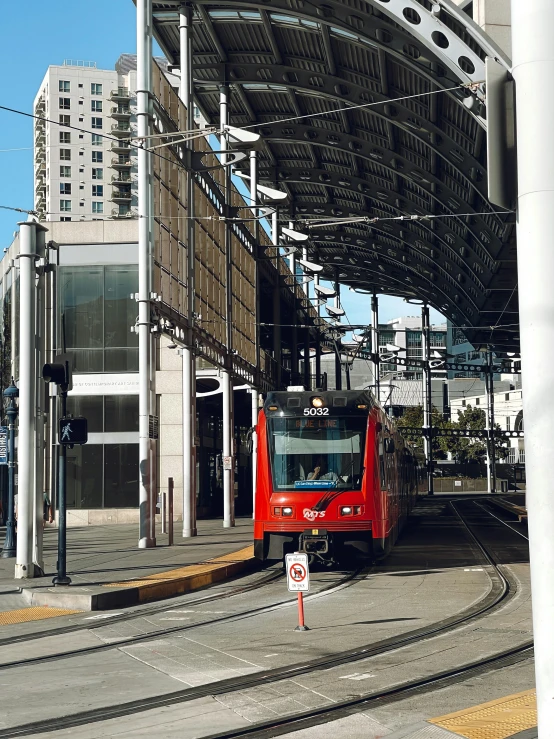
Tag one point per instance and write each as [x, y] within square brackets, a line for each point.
[228, 452]
[255, 409]
[226, 374]
[24, 567]
[533, 71]
[145, 213]
[41, 322]
[189, 362]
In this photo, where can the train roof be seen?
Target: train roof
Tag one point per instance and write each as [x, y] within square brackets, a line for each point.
[293, 402]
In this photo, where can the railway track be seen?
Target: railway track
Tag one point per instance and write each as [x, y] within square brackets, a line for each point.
[503, 587]
[345, 581]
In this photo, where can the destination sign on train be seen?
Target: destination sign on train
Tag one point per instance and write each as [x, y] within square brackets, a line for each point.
[317, 423]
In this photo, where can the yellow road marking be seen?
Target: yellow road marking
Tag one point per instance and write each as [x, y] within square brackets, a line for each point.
[189, 572]
[498, 719]
[33, 613]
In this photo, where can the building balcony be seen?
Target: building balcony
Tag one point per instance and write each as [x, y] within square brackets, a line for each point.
[116, 213]
[121, 196]
[121, 112]
[122, 162]
[121, 177]
[122, 146]
[120, 93]
[121, 129]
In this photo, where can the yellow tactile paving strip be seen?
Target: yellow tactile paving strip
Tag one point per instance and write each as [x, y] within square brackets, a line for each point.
[498, 719]
[33, 613]
[190, 577]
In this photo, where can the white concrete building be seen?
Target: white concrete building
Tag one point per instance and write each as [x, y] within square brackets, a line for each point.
[405, 332]
[85, 166]
[508, 414]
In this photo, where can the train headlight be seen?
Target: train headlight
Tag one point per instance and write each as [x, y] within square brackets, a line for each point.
[317, 402]
[287, 511]
[346, 510]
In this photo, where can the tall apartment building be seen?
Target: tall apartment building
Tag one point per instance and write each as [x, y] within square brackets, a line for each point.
[405, 332]
[89, 174]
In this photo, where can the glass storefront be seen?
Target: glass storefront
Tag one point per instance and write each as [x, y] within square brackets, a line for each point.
[104, 475]
[96, 313]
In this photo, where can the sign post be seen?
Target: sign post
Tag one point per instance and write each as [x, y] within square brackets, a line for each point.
[298, 581]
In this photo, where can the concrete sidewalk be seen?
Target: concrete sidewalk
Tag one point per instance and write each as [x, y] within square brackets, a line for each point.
[109, 571]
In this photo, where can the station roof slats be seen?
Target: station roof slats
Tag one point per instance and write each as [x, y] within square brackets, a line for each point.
[423, 156]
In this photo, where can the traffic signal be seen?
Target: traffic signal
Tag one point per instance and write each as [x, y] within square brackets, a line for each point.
[73, 431]
[59, 371]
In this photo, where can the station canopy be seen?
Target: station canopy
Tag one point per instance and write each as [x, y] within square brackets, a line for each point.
[372, 115]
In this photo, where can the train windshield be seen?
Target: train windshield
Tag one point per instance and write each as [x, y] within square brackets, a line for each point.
[317, 453]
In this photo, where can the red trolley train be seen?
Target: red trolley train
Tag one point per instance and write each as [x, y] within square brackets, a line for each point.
[334, 477]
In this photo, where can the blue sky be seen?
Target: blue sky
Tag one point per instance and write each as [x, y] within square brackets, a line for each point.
[37, 34]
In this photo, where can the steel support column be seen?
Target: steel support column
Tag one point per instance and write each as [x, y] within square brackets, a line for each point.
[276, 305]
[338, 342]
[24, 567]
[427, 397]
[255, 397]
[227, 381]
[375, 345]
[533, 72]
[188, 357]
[145, 213]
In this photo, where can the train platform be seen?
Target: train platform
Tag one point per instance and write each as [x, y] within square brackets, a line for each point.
[109, 571]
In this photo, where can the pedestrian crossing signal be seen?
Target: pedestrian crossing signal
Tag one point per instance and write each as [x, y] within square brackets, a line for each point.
[73, 431]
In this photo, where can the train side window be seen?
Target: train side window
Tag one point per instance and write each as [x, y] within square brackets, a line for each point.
[382, 473]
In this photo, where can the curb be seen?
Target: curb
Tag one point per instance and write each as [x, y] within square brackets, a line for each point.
[153, 587]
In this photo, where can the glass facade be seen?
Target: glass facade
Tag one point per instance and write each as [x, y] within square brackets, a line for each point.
[104, 475]
[96, 313]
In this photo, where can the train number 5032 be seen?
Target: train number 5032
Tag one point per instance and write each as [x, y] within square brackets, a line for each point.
[316, 411]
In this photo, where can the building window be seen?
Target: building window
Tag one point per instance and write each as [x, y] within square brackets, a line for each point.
[96, 139]
[65, 137]
[96, 106]
[65, 171]
[98, 156]
[64, 86]
[98, 191]
[65, 206]
[95, 88]
[98, 312]
[508, 420]
[96, 123]
[97, 173]
[477, 401]
[65, 104]
[65, 218]
[65, 155]
[97, 207]
[65, 120]
[65, 188]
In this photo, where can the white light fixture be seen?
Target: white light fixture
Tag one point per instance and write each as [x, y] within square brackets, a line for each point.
[271, 194]
[294, 235]
[310, 266]
[392, 348]
[335, 312]
[437, 355]
[358, 338]
[325, 292]
[240, 135]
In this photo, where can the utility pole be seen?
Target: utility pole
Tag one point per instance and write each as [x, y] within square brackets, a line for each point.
[375, 345]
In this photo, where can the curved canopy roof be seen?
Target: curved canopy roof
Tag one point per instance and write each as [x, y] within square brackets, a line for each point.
[370, 109]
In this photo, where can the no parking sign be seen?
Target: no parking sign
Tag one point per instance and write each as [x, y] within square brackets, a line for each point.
[298, 574]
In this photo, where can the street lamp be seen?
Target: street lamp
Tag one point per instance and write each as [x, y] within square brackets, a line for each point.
[11, 394]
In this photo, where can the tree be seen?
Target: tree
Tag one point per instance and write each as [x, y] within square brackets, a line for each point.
[468, 449]
[413, 418]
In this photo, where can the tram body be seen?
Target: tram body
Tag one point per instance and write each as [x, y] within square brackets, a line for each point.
[334, 477]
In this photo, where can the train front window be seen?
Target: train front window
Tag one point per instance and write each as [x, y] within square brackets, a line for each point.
[317, 453]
